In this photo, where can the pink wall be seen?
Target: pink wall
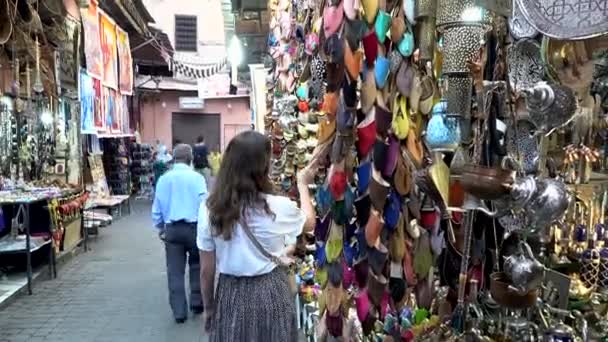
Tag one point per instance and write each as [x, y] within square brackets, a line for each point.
[157, 110]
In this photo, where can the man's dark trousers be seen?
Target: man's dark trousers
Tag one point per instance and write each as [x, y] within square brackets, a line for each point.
[180, 245]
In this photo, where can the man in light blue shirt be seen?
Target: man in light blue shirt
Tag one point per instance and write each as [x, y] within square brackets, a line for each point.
[178, 196]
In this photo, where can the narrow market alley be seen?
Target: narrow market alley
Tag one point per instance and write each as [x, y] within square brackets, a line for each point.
[117, 291]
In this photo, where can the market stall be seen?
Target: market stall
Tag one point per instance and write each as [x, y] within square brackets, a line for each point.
[41, 193]
[464, 190]
[35, 217]
[105, 93]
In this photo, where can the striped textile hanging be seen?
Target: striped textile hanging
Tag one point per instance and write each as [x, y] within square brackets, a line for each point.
[189, 71]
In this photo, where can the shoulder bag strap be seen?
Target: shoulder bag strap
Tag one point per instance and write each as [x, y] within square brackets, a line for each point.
[258, 245]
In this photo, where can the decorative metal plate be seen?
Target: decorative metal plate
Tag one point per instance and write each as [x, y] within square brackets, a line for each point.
[567, 19]
[525, 64]
[519, 26]
[523, 141]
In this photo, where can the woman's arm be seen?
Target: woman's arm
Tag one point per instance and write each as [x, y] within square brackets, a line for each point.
[307, 207]
[306, 177]
[207, 260]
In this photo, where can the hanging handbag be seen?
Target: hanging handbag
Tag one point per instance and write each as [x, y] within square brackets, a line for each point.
[293, 288]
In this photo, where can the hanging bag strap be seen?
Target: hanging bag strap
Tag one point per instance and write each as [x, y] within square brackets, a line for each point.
[259, 246]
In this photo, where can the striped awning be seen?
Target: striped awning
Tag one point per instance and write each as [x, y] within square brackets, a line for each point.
[195, 72]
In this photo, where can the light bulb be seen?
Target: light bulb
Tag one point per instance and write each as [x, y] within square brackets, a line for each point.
[46, 118]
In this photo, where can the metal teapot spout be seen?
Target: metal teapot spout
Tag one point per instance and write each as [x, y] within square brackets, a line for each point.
[473, 203]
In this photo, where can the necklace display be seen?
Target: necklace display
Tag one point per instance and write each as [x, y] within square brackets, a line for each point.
[7, 133]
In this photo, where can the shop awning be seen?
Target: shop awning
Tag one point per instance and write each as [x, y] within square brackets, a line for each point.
[152, 55]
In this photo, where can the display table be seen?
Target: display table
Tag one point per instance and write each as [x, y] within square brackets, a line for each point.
[92, 221]
[22, 200]
[109, 203]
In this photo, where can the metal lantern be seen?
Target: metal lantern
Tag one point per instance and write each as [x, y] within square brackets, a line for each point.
[458, 95]
[464, 26]
[462, 13]
[590, 267]
[603, 274]
[460, 45]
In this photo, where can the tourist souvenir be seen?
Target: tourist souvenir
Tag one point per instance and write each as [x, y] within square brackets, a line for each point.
[332, 18]
[409, 8]
[522, 144]
[370, 9]
[382, 69]
[401, 121]
[370, 47]
[398, 28]
[550, 106]
[443, 132]
[351, 8]
[526, 68]
[406, 44]
[523, 270]
[486, 183]
[519, 27]
[382, 25]
[548, 17]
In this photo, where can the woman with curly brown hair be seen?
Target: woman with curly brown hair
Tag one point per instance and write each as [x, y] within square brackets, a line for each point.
[249, 233]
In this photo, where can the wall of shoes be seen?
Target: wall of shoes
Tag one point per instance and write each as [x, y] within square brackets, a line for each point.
[116, 160]
[141, 168]
[463, 195]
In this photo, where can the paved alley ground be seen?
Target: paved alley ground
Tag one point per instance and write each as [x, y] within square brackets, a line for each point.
[115, 292]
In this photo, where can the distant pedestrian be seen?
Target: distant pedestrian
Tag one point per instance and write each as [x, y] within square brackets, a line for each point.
[201, 158]
[162, 159]
[249, 233]
[179, 193]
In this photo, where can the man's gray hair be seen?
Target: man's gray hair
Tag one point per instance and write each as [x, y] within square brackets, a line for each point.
[182, 153]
